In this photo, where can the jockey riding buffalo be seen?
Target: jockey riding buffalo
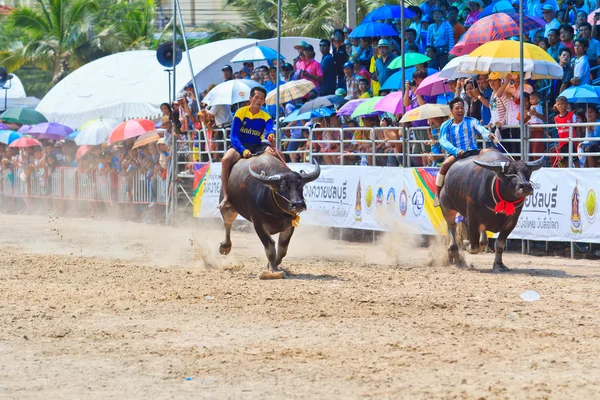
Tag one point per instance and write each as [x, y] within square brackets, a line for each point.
[267, 193]
[489, 191]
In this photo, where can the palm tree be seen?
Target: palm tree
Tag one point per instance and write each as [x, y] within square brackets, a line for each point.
[134, 30]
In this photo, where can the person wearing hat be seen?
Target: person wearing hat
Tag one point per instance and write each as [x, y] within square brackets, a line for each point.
[287, 72]
[248, 67]
[382, 72]
[351, 82]
[340, 56]
[535, 8]
[422, 37]
[227, 73]
[300, 49]
[328, 68]
[441, 36]
[475, 6]
[309, 68]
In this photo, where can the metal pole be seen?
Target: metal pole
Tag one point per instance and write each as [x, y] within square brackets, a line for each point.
[521, 80]
[403, 86]
[351, 13]
[171, 215]
[277, 105]
[189, 57]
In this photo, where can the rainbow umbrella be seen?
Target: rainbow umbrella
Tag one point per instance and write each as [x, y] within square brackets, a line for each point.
[494, 27]
[8, 136]
[503, 56]
[146, 138]
[50, 131]
[25, 142]
[426, 111]
[291, 91]
[366, 108]
[130, 129]
[410, 59]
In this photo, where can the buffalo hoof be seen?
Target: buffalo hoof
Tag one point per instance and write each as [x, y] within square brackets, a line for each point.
[473, 250]
[500, 267]
[454, 257]
[224, 248]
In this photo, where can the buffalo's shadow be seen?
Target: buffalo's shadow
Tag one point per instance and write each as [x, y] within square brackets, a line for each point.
[548, 273]
[312, 277]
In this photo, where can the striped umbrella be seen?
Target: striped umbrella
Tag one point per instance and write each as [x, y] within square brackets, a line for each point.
[130, 129]
[146, 138]
[25, 142]
[290, 91]
[256, 53]
[494, 27]
[8, 136]
[503, 56]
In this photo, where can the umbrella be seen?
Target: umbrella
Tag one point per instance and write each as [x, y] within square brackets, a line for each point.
[387, 11]
[230, 92]
[450, 71]
[50, 131]
[503, 56]
[25, 142]
[391, 103]
[95, 132]
[82, 150]
[256, 53]
[433, 85]
[130, 129]
[591, 17]
[291, 91]
[146, 138]
[72, 135]
[426, 111]
[410, 59]
[373, 29]
[494, 27]
[367, 107]
[3, 127]
[24, 129]
[394, 82]
[323, 101]
[318, 113]
[22, 115]
[348, 108]
[498, 7]
[8, 136]
[581, 94]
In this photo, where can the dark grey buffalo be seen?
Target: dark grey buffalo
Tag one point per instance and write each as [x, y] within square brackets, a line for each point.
[489, 191]
[269, 194]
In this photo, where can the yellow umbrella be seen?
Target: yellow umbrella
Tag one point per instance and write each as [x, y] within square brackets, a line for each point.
[426, 111]
[503, 56]
[146, 138]
[290, 91]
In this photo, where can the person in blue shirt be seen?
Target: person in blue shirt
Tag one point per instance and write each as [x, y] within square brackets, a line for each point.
[248, 129]
[328, 67]
[458, 139]
[382, 72]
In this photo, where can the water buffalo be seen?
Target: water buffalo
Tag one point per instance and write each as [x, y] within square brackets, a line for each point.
[267, 193]
[489, 191]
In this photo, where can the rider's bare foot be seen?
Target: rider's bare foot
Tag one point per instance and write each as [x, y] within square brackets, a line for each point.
[224, 203]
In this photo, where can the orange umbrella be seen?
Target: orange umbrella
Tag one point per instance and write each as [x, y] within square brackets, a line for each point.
[146, 138]
[25, 142]
[130, 129]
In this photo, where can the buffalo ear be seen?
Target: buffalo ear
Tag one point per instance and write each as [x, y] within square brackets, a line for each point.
[497, 167]
[537, 164]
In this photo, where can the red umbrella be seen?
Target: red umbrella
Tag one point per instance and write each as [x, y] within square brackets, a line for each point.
[494, 27]
[25, 142]
[82, 151]
[130, 129]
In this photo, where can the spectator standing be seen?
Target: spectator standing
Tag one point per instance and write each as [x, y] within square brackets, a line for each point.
[475, 6]
[581, 65]
[590, 146]
[340, 56]
[563, 117]
[485, 91]
[227, 73]
[329, 82]
[300, 49]
[566, 37]
[458, 29]
[309, 68]
[549, 15]
[382, 72]
[554, 43]
[593, 50]
[352, 91]
[411, 38]
[441, 36]
[498, 104]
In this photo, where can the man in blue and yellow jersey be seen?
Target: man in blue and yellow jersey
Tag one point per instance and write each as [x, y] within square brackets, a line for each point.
[248, 129]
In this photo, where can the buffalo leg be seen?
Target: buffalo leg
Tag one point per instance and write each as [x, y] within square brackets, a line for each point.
[229, 215]
[483, 241]
[269, 245]
[500, 243]
[474, 235]
[282, 244]
[454, 257]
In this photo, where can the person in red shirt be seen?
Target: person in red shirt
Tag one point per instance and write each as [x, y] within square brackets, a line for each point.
[563, 116]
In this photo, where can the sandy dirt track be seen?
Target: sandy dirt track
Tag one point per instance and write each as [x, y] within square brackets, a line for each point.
[105, 310]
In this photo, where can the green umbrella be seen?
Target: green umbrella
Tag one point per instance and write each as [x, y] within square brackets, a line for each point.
[410, 59]
[22, 115]
[366, 107]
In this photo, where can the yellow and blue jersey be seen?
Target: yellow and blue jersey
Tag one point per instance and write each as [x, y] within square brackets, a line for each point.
[248, 130]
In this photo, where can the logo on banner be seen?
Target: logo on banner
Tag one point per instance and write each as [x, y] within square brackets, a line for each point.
[576, 226]
[379, 197]
[369, 198]
[358, 207]
[403, 202]
[418, 201]
[591, 206]
[391, 197]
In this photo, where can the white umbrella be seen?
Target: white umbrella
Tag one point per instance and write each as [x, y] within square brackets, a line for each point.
[450, 71]
[95, 132]
[230, 92]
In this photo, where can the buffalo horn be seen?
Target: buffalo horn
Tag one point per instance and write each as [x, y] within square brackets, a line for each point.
[537, 164]
[272, 180]
[313, 175]
[497, 167]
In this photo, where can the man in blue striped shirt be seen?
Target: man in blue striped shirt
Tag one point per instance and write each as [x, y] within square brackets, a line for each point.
[458, 139]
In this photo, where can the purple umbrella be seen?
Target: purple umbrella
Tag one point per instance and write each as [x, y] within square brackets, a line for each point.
[391, 103]
[3, 127]
[348, 108]
[50, 130]
[433, 85]
[24, 129]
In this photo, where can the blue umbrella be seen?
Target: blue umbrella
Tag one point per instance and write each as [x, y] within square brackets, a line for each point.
[373, 29]
[500, 6]
[8, 136]
[387, 11]
[256, 53]
[582, 94]
[394, 82]
[318, 113]
[71, 136]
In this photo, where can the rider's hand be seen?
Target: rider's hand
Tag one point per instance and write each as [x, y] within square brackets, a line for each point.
[271, 139]
[461, 153]
[246, 154]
